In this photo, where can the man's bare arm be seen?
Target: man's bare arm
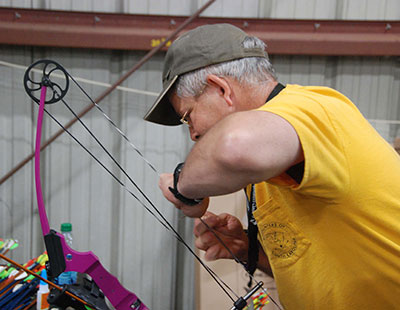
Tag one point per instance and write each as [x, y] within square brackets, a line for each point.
[243, 148]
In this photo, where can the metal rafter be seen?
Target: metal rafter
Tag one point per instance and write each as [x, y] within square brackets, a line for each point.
[144, 32]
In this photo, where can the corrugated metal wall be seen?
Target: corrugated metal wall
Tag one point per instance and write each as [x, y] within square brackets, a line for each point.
[372, 83]
[106, 219]
[299, 9]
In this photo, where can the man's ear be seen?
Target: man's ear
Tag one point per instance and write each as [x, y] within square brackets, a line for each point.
[222, 86]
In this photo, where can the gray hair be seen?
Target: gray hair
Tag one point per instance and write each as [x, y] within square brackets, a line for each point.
[249, 70]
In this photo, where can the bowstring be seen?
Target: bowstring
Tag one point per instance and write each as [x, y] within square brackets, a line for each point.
[166, 223]
[236, 259]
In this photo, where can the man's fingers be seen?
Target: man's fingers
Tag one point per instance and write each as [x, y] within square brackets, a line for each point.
[212, 253]
[210, 219]
[206, 240]
[216, 252]
[201, 245]
[232, 225]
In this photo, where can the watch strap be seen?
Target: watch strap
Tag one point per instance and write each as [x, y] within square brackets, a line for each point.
[175, 192]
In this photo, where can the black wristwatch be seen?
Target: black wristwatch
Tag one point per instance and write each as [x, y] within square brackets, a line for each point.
[179, 196]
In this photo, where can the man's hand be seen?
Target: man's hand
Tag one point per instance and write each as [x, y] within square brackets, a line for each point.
[166, 181]
[229, 230]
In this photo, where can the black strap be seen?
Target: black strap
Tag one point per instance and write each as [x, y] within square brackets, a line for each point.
[252, 232]
[277, 89]
[178, 195]
[252, 229]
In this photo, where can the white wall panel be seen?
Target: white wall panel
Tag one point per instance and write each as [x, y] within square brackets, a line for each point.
[290, 9]
[302, 9]
[16, 212]
[371, 9]
[372, 83]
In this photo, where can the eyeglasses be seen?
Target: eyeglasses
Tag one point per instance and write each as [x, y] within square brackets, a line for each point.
[183, 119]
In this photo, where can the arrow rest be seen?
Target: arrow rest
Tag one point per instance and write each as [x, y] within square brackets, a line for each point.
[50, 70]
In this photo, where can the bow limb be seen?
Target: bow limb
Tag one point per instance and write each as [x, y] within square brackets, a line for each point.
[44, 222]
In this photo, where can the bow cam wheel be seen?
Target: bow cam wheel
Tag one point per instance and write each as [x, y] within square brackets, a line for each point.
[46, 73]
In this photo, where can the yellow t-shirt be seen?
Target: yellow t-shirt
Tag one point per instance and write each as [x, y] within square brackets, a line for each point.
[333, 240]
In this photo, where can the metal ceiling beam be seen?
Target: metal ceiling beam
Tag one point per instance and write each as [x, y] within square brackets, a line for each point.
[143, 32]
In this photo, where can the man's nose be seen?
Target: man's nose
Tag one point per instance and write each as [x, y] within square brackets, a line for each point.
[194, 134]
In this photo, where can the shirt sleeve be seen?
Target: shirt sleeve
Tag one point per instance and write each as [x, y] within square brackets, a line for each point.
[325, 168]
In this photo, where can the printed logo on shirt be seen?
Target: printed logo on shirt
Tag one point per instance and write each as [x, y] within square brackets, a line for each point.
[280, 239]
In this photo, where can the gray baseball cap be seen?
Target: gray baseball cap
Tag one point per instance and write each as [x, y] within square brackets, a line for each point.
[198, 48]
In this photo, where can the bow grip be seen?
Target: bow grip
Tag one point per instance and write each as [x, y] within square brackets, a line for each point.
[89, 263]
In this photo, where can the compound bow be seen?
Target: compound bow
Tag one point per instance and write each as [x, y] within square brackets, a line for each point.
[61, 256]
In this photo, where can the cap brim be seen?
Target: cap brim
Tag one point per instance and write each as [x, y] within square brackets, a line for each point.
[162, 111]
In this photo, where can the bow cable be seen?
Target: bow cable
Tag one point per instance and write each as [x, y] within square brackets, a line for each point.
[166, 223]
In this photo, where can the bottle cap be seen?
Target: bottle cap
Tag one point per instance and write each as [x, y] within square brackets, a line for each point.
[66, 227]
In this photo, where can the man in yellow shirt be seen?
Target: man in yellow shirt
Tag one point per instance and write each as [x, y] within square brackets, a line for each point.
[326, 195]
